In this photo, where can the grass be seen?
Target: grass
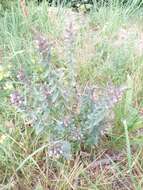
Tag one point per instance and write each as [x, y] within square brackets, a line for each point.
[107, 49]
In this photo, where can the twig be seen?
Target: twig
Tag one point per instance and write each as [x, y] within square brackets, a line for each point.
[24, 8]
[104, 161]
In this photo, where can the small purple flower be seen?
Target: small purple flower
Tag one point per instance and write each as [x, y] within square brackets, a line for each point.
[56, 150]
[66, 121]
[115, 95]
[21, 75]
[69, 33]
[76, 134]
[46, 92]
[16, 99]
[42, 44]
[60, 149]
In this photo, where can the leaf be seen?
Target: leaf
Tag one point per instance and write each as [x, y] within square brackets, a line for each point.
[60, 129]
[129, 94]
[55, 96]
[2, 138]
[38, 128]
[137, 140]
[93, 139]
[66, 147]
[38, 187]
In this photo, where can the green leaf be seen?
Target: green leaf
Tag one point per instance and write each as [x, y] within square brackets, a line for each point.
[38, 187]
[129, 94]
[137, 140]
[66, 147]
